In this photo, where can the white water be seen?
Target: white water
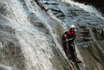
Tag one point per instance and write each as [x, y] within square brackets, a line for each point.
[38, 33]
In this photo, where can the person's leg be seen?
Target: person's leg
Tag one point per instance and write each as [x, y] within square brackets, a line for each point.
[74, 55]
[64, 47]
[72, 51]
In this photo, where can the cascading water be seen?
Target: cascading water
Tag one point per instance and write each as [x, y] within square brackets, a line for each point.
[32, 34]
[30, 39]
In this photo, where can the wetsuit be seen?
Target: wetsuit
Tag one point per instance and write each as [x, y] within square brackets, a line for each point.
[70, 44]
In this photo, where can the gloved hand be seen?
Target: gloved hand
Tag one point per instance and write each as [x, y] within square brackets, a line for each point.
[69, 39]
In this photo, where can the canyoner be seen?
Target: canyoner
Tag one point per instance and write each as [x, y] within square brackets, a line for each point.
[68, 44]
[30, 38]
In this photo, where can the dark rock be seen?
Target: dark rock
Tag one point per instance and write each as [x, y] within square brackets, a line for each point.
[97, 3]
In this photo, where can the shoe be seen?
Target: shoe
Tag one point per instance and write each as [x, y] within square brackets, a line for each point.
[70, 58]
[78, 61]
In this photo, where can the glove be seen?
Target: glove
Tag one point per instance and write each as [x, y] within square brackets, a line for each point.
[69, 39]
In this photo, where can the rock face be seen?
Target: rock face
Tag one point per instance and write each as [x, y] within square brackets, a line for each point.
[97, 3]
[90, 32]
[92, 53]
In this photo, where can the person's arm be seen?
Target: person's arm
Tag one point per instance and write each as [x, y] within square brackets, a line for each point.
[71, 39]
[66, 36]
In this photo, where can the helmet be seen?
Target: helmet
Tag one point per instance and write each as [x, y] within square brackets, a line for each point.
[72, 26]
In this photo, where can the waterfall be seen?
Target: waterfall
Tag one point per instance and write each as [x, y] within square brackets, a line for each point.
[30, 38]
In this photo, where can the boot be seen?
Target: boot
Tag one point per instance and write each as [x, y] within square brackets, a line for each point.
[69, 56]
[77, 60]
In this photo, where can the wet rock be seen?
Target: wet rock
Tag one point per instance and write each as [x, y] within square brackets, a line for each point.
[97, 3]
[11, 56]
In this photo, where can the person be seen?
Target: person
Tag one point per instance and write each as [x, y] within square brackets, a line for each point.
[42, 7]
[68, 44]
